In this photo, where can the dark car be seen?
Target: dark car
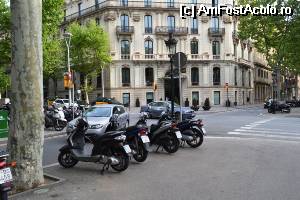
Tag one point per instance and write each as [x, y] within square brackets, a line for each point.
[106, 100]
[157, 108]
[293, 103]
[279, 106]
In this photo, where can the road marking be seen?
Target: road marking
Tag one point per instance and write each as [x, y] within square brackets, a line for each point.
[266, 132]
[265, 135]
[50, 165]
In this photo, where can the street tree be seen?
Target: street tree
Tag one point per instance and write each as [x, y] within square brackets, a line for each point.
[5, 47]
[26, 131]
[273, 36]
[89, 51]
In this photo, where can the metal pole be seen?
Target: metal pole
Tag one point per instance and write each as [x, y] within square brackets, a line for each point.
[172, 88]
[102, 80]
[180, 90]
[69, 68]
[73, 98]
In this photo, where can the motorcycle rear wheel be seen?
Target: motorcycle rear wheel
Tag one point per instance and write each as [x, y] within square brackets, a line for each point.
[123, 158]
[66, 160]
[172, 145]
[141, 154]
[197, 141]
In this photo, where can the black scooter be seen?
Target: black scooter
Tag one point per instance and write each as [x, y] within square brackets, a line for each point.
[164, 134]
[108, 149]
[192, 131]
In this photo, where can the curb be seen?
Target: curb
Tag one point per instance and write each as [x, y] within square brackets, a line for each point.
[57, 181]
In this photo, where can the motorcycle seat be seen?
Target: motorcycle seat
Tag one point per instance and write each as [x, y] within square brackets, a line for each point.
[154, 127]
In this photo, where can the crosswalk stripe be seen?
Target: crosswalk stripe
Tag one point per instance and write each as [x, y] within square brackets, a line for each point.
[265, 135]
[267, 132]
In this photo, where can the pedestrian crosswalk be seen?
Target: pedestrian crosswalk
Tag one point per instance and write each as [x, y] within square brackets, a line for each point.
[267, 128]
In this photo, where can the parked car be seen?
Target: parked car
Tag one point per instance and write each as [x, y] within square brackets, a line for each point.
[99, 118]
[157, 108]
[293, 103]
[279, 106]
[63, 103]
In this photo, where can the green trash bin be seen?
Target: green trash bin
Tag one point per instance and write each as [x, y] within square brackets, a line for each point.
[3, 123]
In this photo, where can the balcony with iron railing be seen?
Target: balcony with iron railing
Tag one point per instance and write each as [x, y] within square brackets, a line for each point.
[216, 32]
[125, 30]
[165, 30]
[244, 62]
[194, 30]
[148, 30]
[216, 57]
[113, 4]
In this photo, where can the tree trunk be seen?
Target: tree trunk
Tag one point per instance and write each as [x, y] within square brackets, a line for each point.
[86, 89]
[26, 132]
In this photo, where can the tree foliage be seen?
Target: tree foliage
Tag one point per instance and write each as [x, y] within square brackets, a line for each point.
[89, 50]
[277, 37]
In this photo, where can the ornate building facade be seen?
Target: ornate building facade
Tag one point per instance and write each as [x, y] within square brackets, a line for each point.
[138, 30]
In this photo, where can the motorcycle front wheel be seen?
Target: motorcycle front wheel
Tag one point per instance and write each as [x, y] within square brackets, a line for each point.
[66, 159]
[141, 152]
[197, 139]
[172, 145]
[59, 126]
[123, 158]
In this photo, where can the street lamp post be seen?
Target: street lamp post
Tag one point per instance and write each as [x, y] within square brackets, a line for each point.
[67, 37]
[171, 44]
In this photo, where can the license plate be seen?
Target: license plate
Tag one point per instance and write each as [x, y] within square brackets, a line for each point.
[178, 134]
[5, 175]
[145, 139]
[203, 130]
[127, 148]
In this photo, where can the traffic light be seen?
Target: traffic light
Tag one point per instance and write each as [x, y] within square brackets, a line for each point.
[68, 83]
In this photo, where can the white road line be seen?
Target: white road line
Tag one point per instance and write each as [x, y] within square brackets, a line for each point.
[267, 132]
[264, 135]
[50, 165]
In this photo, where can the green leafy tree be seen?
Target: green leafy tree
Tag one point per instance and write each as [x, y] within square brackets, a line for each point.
[5, 45]
[89, 51]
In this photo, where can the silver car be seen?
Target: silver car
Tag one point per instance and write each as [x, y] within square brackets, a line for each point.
[99, 118]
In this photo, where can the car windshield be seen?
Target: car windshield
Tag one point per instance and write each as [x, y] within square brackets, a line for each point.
[98, 112]
[65, 101]
[159, 104]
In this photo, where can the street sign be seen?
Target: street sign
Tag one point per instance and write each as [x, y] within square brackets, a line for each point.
[179, 60]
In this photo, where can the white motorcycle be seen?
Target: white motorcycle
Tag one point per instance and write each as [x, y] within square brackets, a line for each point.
[55, 118]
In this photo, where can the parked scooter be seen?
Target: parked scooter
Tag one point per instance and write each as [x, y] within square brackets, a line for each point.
[108, 149]
[164, 134]
[55, 117]
[5, 176]
[192, 130]
[68, 112]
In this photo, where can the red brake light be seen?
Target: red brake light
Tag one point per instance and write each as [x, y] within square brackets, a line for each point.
[173, 125]
[142, 132]
[2, 164]
[12, 164]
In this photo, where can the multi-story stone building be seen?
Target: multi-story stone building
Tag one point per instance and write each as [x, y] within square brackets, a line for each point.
[138, 30]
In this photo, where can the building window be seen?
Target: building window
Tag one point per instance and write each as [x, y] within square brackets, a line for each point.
[124, 23]
[216, 49]
[216, 76]
[215, 24]
[125, 76]
[79, 9]
[194, 26]
[125, 49]
[149, 97]
[194, 2]
[195, 98]
[194, 47]
[96, 3]
[126, 99]
[235, 76]
[170, 3]
[249, 55]
[217, 98]
[99, 80]
[148, 3]
[171, 23]
[234, 50]
[124, 3]
[242, 50]
[65, 14]
[149, 76]
[243, 77]
[97, 21]
[214, 3]
[195, 75]
[148, 23]
[148, 49]
[258, 72]
[235, 96]
[249, 76]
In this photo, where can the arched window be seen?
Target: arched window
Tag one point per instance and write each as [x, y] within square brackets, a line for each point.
[124, 23]
[195, 75]
[148, 48]
[125, 49]
[216, 76]
[149, 76]
[125, 76]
